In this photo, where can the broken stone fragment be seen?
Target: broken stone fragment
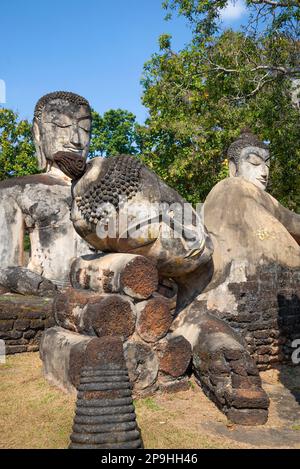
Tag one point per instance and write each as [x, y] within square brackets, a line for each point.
[142, 364]
[26, 282]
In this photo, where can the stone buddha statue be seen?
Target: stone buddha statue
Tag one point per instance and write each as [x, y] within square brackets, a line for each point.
[40, 204]
[256, 229]
[121, 206]
[249, 158]
[247, 314]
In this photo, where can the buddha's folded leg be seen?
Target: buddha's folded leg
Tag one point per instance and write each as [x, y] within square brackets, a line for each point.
[224, 368]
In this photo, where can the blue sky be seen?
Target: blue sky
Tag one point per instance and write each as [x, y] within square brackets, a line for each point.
[95, 48]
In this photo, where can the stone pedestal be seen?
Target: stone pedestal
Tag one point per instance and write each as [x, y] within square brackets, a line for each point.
[151, 368]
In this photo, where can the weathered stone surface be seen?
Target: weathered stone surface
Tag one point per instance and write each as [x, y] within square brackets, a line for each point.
[226, 372]
[154, 319]
[32, 348]
[22, 280]
[104, 419]
[19, 341]
[176, 385]
[37, 324]
[239, 367]
[6, 325]
[247, 398]
[23, 324]
[148, 232]
[11, 349]
[64, 353]
[108, 350]
[114, 315]
[41, 203]
[7, 313]
[248, 416]
[140, 278]
[175, 355]
[255, 283]
[168, 288]
[11, 335]
[245, 382]
[134, 275]
[15, 306]
[60, 363]
[142, 364]
[68, 305]
[29, 334]
[34, 314]
[90, 313]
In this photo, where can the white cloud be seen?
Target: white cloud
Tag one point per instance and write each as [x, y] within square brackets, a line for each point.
[233, 11]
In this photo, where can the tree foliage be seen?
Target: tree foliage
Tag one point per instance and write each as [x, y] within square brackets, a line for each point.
[201, 97]
[17, 154]
[265, 17]
[113, 133]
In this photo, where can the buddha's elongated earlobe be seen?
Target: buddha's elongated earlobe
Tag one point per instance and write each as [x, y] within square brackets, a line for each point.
[232, 169]
[42, 161]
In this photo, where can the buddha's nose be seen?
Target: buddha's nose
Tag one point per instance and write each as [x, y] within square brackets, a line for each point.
[75, 137]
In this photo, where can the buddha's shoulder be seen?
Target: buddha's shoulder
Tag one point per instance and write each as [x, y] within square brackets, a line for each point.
[32, 180]
[235, 185]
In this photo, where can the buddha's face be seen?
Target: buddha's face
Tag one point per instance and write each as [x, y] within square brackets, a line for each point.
[254, 165]
[63, 127]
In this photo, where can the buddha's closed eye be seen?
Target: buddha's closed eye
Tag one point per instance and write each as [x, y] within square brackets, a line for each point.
[255, 159]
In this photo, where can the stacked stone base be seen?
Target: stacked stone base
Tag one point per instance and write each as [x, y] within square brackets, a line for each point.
[118, 295]
[23, 320]
[63, 353]
[105, 415]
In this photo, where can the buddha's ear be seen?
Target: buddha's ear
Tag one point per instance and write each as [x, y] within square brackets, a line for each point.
[232, 169]
[42, 162]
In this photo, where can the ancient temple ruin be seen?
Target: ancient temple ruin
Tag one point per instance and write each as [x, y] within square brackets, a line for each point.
[216, 296]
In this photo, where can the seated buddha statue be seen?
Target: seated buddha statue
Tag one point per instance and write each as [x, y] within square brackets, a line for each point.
[40, 204]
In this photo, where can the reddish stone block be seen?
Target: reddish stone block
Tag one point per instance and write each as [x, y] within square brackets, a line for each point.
[175, 356]
[154, 319]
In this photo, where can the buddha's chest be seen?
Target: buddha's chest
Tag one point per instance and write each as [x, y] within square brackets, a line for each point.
[46, 206]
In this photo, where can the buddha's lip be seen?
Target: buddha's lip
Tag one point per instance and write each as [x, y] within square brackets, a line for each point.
[264, 181]
[73, 150]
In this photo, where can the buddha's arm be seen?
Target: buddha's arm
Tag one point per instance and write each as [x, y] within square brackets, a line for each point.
[11, 233]
[289, 219]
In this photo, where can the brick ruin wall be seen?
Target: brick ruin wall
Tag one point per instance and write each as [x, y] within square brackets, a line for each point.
[23, 320]
[268, 314]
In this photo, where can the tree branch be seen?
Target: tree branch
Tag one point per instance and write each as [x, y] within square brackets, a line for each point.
[277, 3]
[293, 71]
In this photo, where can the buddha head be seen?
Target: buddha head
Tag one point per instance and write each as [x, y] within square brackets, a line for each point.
[250, 159]
[61, 132]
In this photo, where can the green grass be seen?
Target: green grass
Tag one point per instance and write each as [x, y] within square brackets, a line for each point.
[147, 402]
[296, 427]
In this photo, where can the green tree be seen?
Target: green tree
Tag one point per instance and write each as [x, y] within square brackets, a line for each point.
[17, 154]
[265, 17]
[201, 97]
[113, 133]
